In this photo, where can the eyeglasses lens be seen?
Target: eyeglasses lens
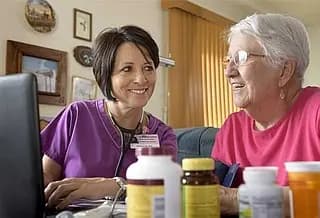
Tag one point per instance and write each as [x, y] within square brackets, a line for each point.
[240, 57]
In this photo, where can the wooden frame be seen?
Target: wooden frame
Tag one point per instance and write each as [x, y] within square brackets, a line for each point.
[82, 25]
[49, 65]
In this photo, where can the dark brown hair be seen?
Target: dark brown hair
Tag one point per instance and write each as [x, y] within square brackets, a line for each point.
[105, 50]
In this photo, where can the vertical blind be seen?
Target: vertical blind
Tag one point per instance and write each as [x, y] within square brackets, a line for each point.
[199, 94]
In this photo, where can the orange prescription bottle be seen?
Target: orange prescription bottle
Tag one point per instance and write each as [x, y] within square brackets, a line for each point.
[200, 189]
[304, 183]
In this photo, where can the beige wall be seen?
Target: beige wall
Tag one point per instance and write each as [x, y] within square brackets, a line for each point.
[146, 13]
[313, 73]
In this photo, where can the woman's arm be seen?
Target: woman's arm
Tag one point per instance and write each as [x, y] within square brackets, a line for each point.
[60, 194]
[51, 170]
[229, 201]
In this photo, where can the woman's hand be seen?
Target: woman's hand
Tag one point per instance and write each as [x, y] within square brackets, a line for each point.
[60, 194]
[229, 201]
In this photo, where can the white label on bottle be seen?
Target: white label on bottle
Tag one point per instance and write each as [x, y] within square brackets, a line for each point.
[158, 206]
[266, 207]
[244, 207]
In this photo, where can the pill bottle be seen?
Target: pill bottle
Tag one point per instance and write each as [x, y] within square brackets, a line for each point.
[260, 196]
[154, 185]
[200, 189]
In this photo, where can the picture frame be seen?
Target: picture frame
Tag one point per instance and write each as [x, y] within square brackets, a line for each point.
[83, 89]
[82, 25]
[49, 66]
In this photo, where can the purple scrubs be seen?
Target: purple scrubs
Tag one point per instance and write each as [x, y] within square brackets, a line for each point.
[84, 142]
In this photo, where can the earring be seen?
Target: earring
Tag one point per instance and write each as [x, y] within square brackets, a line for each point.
[282, 94]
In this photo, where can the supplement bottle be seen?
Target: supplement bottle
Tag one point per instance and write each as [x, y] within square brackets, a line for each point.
[200, 189]
[154, 185]
[260, 196]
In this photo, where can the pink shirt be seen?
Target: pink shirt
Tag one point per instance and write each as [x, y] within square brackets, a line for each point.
[295, 137]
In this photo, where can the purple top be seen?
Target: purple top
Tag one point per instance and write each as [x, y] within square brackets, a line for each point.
[84, 142]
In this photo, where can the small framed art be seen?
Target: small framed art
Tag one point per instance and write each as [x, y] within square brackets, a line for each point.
[48, 65]
[83, 89]
[82, 25]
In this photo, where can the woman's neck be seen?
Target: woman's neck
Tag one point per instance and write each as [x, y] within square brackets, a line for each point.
[269, 114]
[127, 118]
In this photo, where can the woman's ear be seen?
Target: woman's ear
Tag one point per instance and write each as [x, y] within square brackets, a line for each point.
[287, 72]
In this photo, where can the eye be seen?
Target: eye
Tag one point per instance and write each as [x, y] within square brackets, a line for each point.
[126, 69]
[148, 68]
[226, 60]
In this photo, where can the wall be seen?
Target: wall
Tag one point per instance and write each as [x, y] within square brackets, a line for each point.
[313, 74]
[106, 13]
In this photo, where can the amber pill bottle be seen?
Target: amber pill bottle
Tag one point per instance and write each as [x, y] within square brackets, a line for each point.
[200, 189]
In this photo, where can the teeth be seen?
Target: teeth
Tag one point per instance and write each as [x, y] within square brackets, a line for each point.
[237, 85]
[138, 91]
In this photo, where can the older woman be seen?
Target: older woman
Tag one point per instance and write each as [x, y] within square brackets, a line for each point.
[279, 121]
[89, 145]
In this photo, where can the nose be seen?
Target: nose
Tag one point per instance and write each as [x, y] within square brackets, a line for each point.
[140, 76]
[230, 70]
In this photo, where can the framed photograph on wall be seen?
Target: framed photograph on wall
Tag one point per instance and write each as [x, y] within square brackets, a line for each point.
[82, 25]
[49, 66]
[83, 89]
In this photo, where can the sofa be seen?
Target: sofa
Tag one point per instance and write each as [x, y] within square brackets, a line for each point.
[198, 142]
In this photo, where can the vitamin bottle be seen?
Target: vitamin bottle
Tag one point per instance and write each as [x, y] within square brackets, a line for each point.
[260, 196]
[200, 189]
[154, 185]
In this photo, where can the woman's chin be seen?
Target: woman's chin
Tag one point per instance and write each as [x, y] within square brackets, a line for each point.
[138, 104]
[241, 104]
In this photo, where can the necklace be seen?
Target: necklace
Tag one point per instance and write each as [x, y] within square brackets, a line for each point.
[116, 124]
[128, 135]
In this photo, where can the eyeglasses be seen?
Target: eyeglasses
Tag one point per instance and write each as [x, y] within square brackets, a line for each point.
[240, 58]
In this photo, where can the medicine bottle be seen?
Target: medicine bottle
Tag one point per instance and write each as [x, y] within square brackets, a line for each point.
[200, 189]
[260, 196]
[154, 185]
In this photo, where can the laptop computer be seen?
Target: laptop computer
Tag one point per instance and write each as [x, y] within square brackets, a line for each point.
[21, 182]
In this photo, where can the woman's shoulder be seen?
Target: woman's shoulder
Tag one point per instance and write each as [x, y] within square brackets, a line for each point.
[80, 109]
[311, 92]
[85, 104]
[308, 98]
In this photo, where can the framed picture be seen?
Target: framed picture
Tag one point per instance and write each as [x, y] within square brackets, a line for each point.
[40, 15]
[83, 89]
[82, 25]
[49, 66]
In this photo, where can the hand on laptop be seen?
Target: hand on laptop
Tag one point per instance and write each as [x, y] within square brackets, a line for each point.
[59, 194]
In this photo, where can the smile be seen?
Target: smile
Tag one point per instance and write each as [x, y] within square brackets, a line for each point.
[236, 86]
[138, 91]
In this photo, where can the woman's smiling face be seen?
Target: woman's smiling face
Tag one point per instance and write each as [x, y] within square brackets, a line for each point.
[255, 80]
[134, 76]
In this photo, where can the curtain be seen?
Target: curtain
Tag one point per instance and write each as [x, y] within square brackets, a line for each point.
[198, 93]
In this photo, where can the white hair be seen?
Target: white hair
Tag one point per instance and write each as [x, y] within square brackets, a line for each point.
[282, 38]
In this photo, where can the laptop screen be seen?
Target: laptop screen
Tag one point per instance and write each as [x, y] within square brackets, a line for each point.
[21, 183]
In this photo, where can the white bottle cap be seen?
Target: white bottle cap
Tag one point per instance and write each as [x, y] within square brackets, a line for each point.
[260, 174]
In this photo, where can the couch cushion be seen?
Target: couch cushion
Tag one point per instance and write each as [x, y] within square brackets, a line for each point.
[198, 142]
[195, 142]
